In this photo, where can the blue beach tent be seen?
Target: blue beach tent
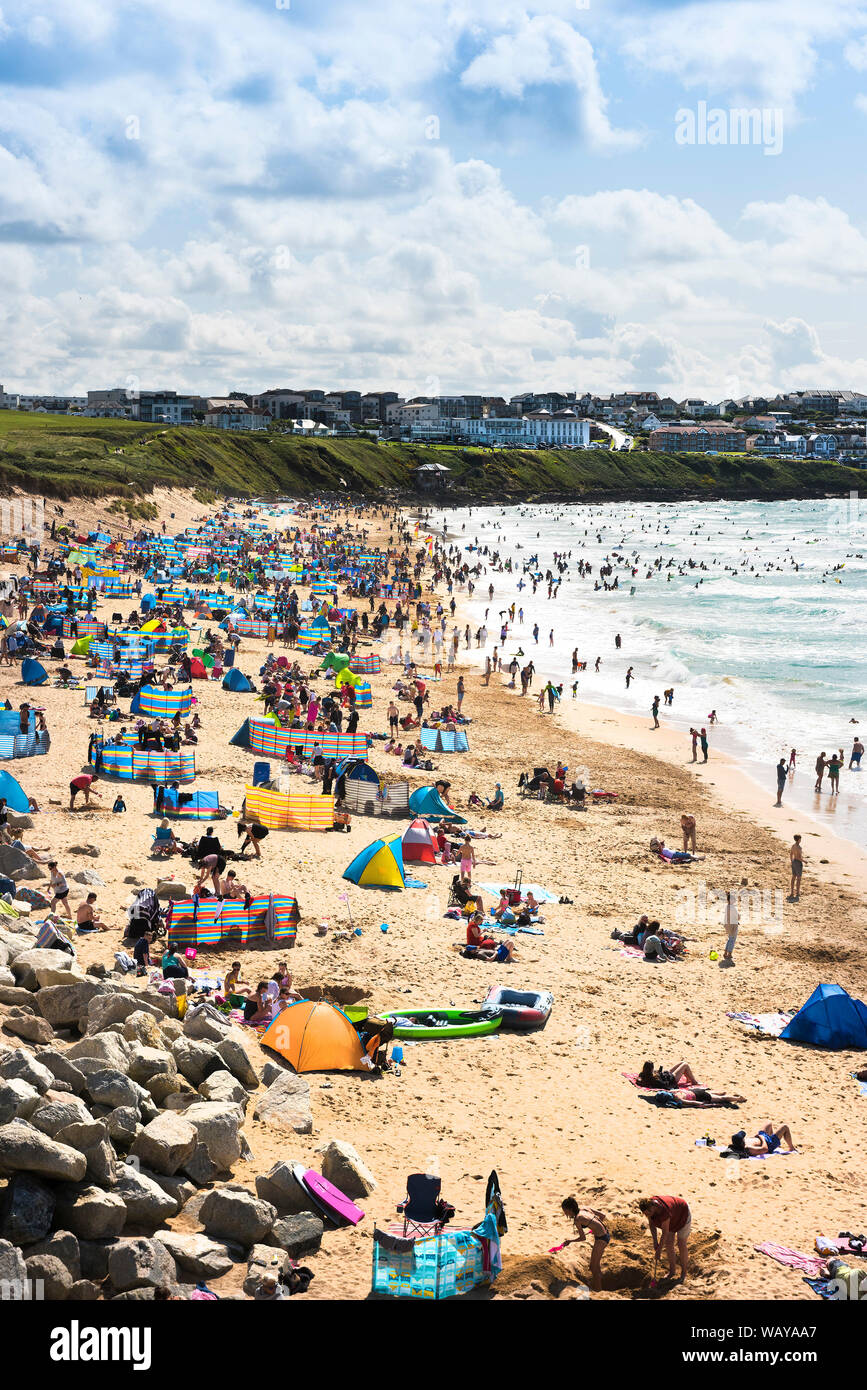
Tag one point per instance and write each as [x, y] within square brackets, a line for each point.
[33, 672]
[830, 1018]
[15, 796]
[235, 679]
[427, 802]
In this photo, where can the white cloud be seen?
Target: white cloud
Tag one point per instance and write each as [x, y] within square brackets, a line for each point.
[544, 51]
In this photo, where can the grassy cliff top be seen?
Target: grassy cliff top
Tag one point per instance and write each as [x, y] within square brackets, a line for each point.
[65, 457]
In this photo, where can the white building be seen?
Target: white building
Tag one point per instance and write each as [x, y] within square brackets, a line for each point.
[563, 429]
[233, 414]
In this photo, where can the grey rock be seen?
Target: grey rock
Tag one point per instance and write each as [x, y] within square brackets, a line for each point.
[63, 1245]
[233, 1213]
[25, 1149]
[90, 850]
[29, 1027]
[123, 1125]
[82, 1134]
[166, 1143]
[64, 1070]
[90, 877]
[195, 1059]
[177, 1186]
[298, 1235]
[203, 1022]
[142, 1027]
[139, 1263]
[218, 1127]
[24, 965]
[13, 1271]
[343, 1166]
[264, 1262]
[198, 1255]
[55, 1114]
[105, 1009]
[16, 995]
[146, 1202]
[93, 1256]
[52, 1273]
[91, 1214]
[26, 1209]
[64, 1005]
[18, 1100]
[223, 1086]
[272, 1070]
[200, 1168]
[279, 1187]
[286, 1105]
[20, 1065]
[112, 1088]
[83, 1291]
[168, 890]
[234, 1055]
[108, 1048]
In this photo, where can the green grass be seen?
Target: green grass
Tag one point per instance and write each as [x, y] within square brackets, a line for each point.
[66, 457]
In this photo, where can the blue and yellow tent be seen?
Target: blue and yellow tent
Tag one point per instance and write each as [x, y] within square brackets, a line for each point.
[380, 865]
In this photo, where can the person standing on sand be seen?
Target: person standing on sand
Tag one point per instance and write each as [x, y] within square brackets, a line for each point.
[782, 777]
[587, 1218]
[672, 1218]
[703, 740]
[693, 733]
[731, 920]
[796, 860]
[654, 710]
[687, 826]
[820, 770]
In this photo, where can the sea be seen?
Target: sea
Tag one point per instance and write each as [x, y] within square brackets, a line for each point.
[754, 610]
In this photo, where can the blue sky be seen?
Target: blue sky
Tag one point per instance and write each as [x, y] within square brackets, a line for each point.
[429, 197]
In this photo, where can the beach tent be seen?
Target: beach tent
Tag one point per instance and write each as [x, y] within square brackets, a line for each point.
[380, 865]
[315, 1036]
[33, 672]
[242, 738]
[13, 793]
[427, 802]
[830, 1018]
[334, 661]
[346, 677]
[443, 740]
[197, 670]
[419, 846]
[235, 679]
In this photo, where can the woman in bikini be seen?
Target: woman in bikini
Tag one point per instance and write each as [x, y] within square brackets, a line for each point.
[587, 1219]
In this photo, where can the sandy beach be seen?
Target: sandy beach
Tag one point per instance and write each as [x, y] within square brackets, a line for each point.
[550, 1111]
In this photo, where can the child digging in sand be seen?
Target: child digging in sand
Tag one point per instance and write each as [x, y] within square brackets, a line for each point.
[587, 1219]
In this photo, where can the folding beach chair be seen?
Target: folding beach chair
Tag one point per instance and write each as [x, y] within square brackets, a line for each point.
[420, 1208]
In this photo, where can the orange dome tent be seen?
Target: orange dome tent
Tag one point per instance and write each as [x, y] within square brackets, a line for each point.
[315, 1036]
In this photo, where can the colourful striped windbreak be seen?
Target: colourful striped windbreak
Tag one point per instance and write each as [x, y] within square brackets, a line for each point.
[271, 919]
[165, 703]
[87, 627]
[363, 696]
[290, 810]
[309, 636]
[130, 648]
[251, 627]
[265, 737]
[141, 765]
[191, 805]
[134, 669]
[366, 665]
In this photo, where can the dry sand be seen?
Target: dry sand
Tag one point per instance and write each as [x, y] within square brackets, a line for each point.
[550, 1111]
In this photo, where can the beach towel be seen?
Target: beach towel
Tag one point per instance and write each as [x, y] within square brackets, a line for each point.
[811, 1265]
[723, 1150]
[862, 1085]
[771, 1025]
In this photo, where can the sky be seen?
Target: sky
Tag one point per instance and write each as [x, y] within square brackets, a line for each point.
[433, 197]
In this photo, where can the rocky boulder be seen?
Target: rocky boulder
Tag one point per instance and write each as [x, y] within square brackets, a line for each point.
[91, 1214]
[235, 1057]
[166, 1143]
[265, 1262]
[198, 1256]
[146, 1202]
[18, 1100]
[25, 966]
[342, 1165]
[49, 1277]
[297, 1235]
[26, 1209]
[139, 1263]
[233, 1213]
[25, 1149]
[19, 1065]
[280, 1187]
[196, 1059]
[286, 1105]
[28, 1025]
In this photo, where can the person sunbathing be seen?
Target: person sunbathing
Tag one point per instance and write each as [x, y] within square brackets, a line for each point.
[767, 1141]
[701, 1096]
[666, 1078]
[636, 936]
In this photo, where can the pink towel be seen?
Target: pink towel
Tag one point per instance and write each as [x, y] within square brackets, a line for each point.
[810, 1265]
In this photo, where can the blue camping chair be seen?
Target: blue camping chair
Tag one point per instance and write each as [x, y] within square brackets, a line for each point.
[420, 1208]
[261, 774]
